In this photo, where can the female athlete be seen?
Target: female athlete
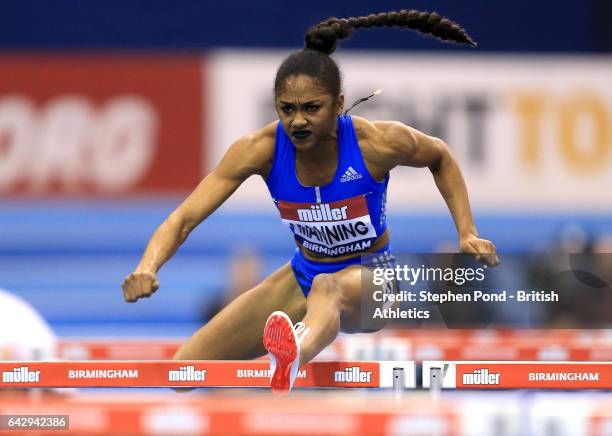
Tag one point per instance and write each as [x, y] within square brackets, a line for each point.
[327, 174]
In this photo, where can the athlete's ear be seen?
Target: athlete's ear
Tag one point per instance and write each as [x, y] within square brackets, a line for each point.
[340, 105]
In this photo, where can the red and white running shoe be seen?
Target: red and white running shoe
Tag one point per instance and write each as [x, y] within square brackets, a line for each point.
[282, 340]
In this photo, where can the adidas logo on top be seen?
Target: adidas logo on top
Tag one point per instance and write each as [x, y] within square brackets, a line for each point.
[350, 174]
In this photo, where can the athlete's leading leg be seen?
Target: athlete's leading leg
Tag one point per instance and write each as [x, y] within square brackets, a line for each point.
[334, 305]
[236, 331]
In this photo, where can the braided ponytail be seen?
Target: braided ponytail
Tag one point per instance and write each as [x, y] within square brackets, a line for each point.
[324, 36]
[321, 41]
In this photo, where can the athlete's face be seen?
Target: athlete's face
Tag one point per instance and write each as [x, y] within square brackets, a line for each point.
[307, 111]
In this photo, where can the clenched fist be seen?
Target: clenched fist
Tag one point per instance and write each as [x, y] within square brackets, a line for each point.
[482, 249]
[139, 284]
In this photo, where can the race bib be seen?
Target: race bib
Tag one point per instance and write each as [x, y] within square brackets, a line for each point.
[331, 229]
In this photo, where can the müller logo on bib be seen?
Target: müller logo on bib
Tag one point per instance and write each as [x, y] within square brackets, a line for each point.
[333, 229]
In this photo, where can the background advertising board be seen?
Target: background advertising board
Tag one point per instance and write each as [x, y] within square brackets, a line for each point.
[100, 124]
[529, 132]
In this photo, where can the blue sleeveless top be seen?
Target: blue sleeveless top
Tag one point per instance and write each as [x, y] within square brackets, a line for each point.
[346, 215]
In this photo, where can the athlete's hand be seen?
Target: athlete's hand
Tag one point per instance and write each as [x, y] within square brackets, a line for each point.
[482, 249]
[139, 284]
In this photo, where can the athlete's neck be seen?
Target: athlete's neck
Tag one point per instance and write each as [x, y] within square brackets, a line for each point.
[324, 151]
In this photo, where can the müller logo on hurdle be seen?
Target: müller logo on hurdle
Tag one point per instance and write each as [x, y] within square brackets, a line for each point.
[21, 375]
[353, 374]
[187, 373]
[481, 377]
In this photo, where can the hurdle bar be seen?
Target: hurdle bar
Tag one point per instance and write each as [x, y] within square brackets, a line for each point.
[516, 375]
[202, 373]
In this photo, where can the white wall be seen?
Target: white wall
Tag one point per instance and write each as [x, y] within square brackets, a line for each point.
[531, 133]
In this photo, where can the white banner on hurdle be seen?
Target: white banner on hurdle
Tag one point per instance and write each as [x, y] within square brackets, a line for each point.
[203, 373]
[517, 375]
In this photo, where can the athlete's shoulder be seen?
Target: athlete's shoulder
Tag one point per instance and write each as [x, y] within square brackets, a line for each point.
[262, 140]
[382, 141]
[365, 130]
[253, 153]
[264, 143]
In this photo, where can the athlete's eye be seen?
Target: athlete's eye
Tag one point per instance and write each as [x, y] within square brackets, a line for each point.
[312, 108]
[286, 109]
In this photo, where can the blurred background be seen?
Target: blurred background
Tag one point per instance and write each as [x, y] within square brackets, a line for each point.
[111, 112]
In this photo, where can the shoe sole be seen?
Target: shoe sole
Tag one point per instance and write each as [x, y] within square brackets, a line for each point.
[279, 339]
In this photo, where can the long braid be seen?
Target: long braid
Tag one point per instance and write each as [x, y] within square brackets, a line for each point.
[324, 36]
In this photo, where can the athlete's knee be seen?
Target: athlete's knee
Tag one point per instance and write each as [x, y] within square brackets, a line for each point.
[323, 281]
[324, 285]
[350, 286]
[343, 293]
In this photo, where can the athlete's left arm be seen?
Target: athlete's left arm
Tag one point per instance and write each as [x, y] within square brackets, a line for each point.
[406, 146]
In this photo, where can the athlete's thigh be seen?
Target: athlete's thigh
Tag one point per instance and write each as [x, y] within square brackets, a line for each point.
[236, 331]
[361, 296]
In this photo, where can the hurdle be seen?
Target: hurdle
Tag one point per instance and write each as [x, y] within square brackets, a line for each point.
[516, 375]
[398, 375]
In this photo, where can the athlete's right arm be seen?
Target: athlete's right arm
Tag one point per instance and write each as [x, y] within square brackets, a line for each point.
[250, 155]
